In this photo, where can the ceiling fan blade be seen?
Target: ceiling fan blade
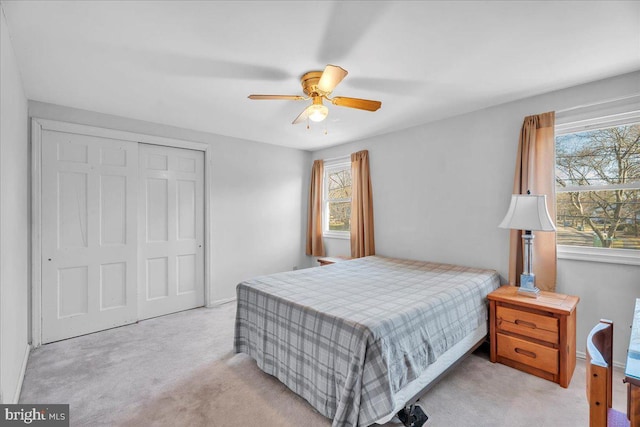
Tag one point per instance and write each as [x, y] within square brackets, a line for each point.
[331, 76]
[361, 104]
[283, 97]
[301, 117]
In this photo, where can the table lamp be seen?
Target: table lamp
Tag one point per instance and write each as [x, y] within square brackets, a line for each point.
[528, 212]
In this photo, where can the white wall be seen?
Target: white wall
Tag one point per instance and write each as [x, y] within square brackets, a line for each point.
[441, 189]
[14, 222]
[258, 205]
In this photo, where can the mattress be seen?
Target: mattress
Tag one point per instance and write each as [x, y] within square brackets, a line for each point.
[349, 337]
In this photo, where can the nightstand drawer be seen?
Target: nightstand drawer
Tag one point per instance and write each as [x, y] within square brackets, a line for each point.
[532, 325]
[528, 353]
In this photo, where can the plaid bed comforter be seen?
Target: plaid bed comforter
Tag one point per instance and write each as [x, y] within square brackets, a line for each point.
[348, 336]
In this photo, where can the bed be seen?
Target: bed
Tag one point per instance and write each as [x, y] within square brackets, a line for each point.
[358, 339]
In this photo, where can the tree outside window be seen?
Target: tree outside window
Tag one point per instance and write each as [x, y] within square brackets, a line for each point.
[598, 187]
[337, 209]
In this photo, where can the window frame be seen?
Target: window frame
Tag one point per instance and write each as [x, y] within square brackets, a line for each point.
[615, 113]
[331, 166]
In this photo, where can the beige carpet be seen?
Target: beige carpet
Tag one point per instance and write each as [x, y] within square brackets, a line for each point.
[179, 370]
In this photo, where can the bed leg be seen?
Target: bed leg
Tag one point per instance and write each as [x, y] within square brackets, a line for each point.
[413, 416]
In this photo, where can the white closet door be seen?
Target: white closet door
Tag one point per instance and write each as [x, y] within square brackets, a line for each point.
[89, 234]
[171, 233]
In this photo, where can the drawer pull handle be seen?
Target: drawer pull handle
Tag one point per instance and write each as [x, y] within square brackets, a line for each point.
[524, 323]
[525, 353]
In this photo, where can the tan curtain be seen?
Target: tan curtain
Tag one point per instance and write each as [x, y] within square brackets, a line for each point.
[535, 171]
[315, 246]
[362, 241]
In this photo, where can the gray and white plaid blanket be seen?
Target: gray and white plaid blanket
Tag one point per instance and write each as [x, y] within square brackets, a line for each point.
[348, 336]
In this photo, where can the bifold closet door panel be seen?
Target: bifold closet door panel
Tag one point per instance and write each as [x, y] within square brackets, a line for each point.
[171, 230]
[89, 234]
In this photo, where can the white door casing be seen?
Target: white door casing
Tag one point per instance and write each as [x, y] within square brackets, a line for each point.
[89, 234]
[171, 230]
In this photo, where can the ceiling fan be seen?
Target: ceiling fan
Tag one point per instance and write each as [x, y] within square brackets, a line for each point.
[318, 85]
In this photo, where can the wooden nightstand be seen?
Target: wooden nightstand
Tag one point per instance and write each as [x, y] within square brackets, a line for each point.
[534, 335]
[332, 260]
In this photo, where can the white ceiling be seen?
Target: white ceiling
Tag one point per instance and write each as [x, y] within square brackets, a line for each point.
[192, 64]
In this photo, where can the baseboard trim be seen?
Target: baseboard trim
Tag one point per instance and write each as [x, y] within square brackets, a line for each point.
[583, 355]
[221, 302]
[23, 369]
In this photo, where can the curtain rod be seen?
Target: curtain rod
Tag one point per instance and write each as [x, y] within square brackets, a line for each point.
[333, 159]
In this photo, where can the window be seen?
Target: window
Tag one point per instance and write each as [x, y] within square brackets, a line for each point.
[598, 189]
[337, 198]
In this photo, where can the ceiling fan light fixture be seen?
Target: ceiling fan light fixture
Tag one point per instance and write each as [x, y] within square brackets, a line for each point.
[317, 112]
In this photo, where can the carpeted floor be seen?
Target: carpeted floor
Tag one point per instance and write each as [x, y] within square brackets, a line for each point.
[179, 370]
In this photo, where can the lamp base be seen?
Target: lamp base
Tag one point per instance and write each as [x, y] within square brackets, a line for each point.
[528, 286]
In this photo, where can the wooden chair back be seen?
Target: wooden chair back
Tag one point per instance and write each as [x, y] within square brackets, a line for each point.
[599, 372]
[600, 376]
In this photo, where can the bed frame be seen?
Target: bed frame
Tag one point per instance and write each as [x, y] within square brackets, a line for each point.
[413, 415]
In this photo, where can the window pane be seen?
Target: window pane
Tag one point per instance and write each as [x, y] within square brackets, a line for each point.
[340, 184]
[609, 219]
[599, 157]
[339, 216]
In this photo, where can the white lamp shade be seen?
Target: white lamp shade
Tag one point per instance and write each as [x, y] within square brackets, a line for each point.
[528, 212]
